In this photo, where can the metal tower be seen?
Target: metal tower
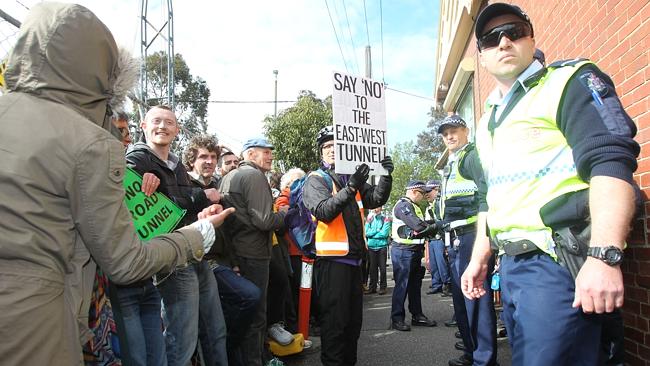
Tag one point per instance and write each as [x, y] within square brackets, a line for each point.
[166, 34]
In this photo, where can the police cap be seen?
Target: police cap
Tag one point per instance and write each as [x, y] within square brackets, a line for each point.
[495, 10]
[451, 121]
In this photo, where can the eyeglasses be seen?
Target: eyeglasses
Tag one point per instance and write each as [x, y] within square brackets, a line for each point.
[513, 31]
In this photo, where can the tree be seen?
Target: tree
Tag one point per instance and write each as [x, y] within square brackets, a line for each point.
[408, 165]
[430, 146]
[294, 131]
[191, 95]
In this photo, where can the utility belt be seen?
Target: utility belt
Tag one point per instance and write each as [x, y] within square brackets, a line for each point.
[451, 236]
[519, 247]
[571, 244]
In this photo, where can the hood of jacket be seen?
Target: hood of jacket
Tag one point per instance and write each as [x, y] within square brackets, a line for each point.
[66, 55]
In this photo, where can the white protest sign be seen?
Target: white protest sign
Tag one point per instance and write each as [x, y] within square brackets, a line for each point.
[359, 111]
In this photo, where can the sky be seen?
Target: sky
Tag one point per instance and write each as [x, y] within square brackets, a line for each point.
[236, 45]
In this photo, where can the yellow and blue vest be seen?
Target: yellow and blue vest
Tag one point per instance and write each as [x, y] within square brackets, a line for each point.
[527, 161]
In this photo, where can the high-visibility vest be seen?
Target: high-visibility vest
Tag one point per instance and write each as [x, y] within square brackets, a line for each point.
[397, 224]
[528, 162]
[332, 237]
[459, 190]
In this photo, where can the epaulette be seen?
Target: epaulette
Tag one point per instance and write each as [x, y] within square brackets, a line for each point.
[571, 62]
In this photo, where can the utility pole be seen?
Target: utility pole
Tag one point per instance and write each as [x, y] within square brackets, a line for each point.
[166, 34]
[369, 76]
[368, 62]
[275, 112]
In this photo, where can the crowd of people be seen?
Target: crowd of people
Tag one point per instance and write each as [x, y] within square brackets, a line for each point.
[77, 285]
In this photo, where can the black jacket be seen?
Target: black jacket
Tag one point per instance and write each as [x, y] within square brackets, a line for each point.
[174, 184]
[318, 198]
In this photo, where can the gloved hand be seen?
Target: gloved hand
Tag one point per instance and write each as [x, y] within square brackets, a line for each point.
[359, 178]
[387, 163]
[441, 225]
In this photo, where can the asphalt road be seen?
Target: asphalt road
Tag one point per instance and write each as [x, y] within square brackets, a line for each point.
[379, 346]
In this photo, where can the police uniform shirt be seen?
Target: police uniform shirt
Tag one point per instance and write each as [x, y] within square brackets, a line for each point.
[591, 118]
[405, 211]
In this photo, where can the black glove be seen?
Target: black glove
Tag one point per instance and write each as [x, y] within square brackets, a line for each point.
[387, 163]
[359, 178]
[441, 225]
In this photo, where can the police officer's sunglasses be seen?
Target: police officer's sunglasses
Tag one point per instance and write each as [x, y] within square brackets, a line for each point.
[513, 31]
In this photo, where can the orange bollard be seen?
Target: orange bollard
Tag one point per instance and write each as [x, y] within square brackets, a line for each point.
[304, 299]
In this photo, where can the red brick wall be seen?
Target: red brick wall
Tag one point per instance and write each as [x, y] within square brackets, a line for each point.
[616, 35]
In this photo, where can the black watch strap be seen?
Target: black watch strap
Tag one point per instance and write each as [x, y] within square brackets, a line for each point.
[611, 255]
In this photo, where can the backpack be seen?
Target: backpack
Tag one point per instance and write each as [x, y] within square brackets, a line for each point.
[300, 223]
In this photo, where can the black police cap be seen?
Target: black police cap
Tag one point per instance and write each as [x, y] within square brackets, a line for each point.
[494, 10]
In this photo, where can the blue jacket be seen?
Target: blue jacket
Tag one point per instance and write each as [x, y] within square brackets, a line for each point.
[377, 232]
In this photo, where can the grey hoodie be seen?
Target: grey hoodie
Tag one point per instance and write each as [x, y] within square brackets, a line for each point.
[61, 202]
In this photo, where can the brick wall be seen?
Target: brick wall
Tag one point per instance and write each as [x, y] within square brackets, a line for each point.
[616, 35]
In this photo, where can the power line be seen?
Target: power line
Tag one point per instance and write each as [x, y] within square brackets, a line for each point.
[337, 37]
[365, 15]
[381, 30]
[411, 94]
[351, 39]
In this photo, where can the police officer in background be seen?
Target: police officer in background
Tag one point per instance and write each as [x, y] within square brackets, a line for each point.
[461, 201]
[552, 140]
[409, 233]
[438, 266]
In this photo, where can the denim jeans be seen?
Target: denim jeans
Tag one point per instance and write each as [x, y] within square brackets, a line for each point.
[137, 312]
[239, 299]
[408, 275]
[191, 311]
[438, 265]
[256, 271]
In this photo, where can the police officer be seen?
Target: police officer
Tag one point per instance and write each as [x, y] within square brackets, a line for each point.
[459, 205]
[440, 278]
[551, 140]
[408, 233]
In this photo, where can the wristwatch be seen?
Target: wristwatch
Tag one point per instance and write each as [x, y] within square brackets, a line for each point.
[611, 255]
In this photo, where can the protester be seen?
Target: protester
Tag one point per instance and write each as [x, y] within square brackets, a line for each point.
[335, 201]
[575, 172]
[377, 233]
[247, 189]
[239, 297]
[62, 196]
[408, 234]
[190, 296]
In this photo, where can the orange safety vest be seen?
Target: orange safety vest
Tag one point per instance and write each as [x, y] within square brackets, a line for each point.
[331, 237]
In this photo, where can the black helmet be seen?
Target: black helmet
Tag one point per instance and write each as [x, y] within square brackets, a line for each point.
[324, 135]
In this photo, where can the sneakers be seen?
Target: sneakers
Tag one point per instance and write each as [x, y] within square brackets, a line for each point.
[275, 361]
[308, 344]
[280, 335]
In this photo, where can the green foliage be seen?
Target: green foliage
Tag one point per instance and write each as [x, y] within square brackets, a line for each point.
[191, 95]
[408, 165]
[294, 131]
[430, 146]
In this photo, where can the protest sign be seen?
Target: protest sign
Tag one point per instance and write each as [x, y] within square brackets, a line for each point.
[359, 111]
[153, 215]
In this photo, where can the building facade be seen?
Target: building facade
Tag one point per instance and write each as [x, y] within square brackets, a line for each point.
[616, 35]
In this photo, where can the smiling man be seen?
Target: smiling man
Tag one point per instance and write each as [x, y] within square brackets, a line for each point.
[191, 305]
[460, 203]
[558, 153]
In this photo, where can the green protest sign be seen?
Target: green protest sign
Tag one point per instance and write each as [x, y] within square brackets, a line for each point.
[153, 215]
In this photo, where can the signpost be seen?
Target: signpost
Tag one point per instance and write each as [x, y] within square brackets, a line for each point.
[152, 215]
[359, 111]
